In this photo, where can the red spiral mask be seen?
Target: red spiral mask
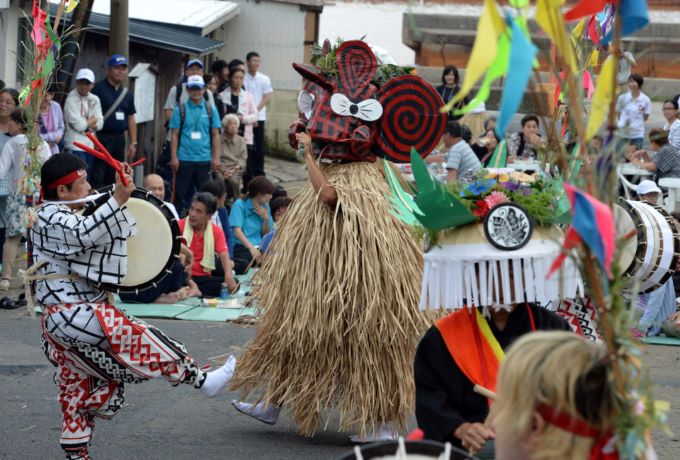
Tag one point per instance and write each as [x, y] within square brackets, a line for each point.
[349, 119]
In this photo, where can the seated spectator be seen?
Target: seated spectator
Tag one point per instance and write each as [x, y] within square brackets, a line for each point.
[250, 220]
[485, 146]
[13, 159]
[666, 159]
[670, 113]
[461, 161]
[595, 145]
[556, 398]
[82, 114]
[524, 145]
[51, 122]
[212, 266]
[278, 206]
[218, 189]
[156, 185]
[233, 155]
[279, 191]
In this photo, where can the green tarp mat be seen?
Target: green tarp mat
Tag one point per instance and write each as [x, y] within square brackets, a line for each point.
[155, 310]
[217, 314]
[662, 340]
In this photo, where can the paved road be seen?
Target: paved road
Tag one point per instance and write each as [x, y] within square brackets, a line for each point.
[159, 421]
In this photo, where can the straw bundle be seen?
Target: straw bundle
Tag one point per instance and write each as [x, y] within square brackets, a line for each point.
[339, 312]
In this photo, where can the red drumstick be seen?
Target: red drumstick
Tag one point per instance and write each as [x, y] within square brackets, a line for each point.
[90, 150]
[107, 157]
[138, 162]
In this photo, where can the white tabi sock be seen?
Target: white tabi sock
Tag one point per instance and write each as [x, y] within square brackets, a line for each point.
[267, 413]
[219, 378]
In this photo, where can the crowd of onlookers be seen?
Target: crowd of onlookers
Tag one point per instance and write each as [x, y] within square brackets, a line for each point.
[212, 162]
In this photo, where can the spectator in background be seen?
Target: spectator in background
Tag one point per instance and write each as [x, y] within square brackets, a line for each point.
[524, 145]
[278, 206]
[13, 160]
[485, 146]
[279, 191]
[195, 144]
[220, 218]
[211, 87]
[666, 159]
[9, 101]
[179, 93]
[461, 161]
[2, 85]
[207, 243]
[250, 220]
[220, 70]
[156, 185]
[240, 102]
[634, 108]
[670, 113]
[449, 88]
[51, 122]
[237, 64]
[82, 114]
[233, 155]
[260, 86]
[118, 107]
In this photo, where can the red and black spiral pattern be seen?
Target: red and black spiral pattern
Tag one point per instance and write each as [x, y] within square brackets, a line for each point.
[411, 119]
[356, 67]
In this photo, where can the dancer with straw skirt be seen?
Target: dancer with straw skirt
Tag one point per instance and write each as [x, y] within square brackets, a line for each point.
[338, 292]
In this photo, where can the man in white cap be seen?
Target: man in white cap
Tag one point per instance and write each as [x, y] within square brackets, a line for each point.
[195, 142]
[82, 114]
[648, 192]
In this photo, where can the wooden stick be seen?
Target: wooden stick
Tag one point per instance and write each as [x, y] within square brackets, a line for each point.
[485, 392]
[138, 162]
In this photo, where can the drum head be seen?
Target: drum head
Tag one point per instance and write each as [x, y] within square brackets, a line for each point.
[415, 450]
[155, 247]
[626, 228]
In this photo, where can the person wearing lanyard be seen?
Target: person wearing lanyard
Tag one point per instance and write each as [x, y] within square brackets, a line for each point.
[195, 143]
[118, 107]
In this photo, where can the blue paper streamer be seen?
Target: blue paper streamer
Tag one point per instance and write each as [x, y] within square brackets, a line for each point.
[522, 54]
[634, 16]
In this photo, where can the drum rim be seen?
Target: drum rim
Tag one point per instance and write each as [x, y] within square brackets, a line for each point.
[640, 226]
[432, 448]
[651, 222]
[673, 228]
[140, 193]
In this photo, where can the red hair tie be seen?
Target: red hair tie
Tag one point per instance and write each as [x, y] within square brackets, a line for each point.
[579, 427]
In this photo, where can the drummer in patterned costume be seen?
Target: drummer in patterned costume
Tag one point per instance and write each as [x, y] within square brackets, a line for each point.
[491, 244]
[96, 348]
[339, 319]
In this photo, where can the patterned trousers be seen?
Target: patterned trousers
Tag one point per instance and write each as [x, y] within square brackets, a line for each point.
[97, 349]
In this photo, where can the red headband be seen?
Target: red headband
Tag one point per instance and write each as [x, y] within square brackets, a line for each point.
[67, 179]
[579, 427]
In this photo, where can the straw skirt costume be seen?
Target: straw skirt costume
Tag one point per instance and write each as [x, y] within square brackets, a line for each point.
[338, 292]
[339, 308]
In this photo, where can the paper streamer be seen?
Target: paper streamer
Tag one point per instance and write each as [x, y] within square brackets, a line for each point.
[38, 32]
[489, 28]
[634, 16]
[584, 8]
[522, 53]
[592, 31]
[604, 92]
[72, 5]
[499, 67]
[549, 17]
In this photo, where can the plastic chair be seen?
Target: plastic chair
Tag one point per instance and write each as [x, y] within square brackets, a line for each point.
[628, 186]
[673, 186]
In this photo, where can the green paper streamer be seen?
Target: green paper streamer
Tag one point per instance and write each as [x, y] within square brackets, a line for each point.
[403, 205]
[439, 209]
[499, 159]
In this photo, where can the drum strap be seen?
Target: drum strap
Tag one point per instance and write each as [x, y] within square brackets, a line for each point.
[30, 276]
[472, 346]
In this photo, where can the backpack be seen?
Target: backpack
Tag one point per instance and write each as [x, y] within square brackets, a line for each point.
[182, 118]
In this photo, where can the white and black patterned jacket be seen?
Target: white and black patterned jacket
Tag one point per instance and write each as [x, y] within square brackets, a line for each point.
[92, 247]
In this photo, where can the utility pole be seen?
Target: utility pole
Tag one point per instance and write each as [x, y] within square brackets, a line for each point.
[118, 28]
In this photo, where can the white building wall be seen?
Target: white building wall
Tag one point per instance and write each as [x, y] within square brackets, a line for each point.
[9, 33]
[275, 30]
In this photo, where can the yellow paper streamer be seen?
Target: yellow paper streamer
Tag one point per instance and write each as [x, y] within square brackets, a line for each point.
[549, 17]
[593, 59]
[483, 51]
[72, 5]
[603, 96]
